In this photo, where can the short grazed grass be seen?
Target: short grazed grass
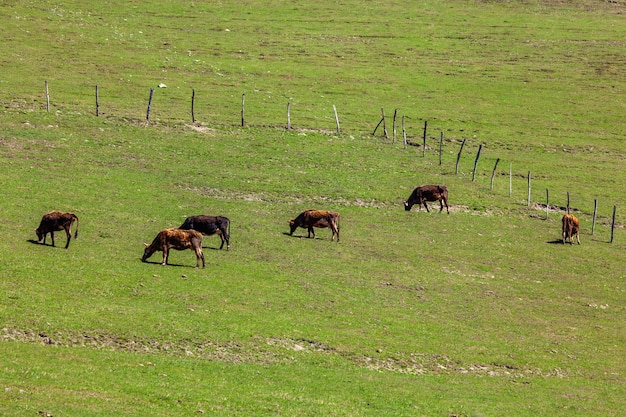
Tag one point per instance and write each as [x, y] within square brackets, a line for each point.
[480, 312]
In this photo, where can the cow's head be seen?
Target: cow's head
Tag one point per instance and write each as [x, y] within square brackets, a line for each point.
[40, 235]
[292, 226]
[407, 206]
[147, 252]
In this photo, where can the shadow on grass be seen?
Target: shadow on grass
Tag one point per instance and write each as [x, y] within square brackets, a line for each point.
[168, 264]
[36, 242]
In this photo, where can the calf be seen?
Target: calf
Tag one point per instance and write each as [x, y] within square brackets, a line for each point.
[571, 228]
[209, 225]
[425, 193]
[175, 239]
[55, 221]
[309, 219]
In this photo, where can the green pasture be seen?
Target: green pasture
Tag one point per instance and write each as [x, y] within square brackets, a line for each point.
[482, 312]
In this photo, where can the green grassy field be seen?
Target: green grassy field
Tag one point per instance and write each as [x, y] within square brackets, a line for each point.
[482, 312]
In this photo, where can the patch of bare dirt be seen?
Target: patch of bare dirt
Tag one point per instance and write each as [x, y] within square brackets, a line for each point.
[274, 350]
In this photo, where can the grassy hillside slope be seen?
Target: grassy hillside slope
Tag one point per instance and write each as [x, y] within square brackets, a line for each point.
[480, 312]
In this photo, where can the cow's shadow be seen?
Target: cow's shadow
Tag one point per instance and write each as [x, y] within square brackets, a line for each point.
[556, 242]
[211, 247]
[36, 242]
[169, 264]
[299, 236]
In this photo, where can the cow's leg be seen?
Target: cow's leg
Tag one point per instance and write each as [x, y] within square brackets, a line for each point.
[425, 205]
[199, 255]
[441, 202]
[68, 232]
[311, 231]
[578, 237]
[165, 253]
[51, 237]
[335, 230]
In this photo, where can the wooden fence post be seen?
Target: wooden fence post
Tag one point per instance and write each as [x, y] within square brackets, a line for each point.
[382, 121]
[243, 110]
[493, 173]
[568, 207]
[424, 138]
[193, 100]
[382, 110]
[595, 212]
[404, 132]
[149, 105]
[440, 146]
[613, 223]
[395, 114]
[458, 157]
[480, 147]
[47, 98]
[97, 102]
[336, 119]
[528, 188]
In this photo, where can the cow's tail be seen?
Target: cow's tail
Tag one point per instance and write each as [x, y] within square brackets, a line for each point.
[76, 231]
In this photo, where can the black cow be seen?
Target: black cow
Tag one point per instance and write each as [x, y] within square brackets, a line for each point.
[426, 193]
[209, 225]
[55, 221]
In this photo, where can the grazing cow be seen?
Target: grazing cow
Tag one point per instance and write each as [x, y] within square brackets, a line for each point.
[55, 221]
[175, 239]
[571, 228]
[309, 219]
[209, 225]
[426, 193]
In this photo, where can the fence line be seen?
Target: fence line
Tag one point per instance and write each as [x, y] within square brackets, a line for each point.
[383, 122]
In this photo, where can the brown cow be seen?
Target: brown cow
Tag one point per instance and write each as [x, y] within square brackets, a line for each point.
[425, 193]
[571, 228]
[209, 225]
[55, 221]
[175, 239]
[309, 219]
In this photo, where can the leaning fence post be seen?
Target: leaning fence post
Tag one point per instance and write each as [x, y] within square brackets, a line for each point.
[595, 212]
[149, 105]
[493, 173]
[476, 160]
[336, 119]
[613, 223]
[458, 157]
